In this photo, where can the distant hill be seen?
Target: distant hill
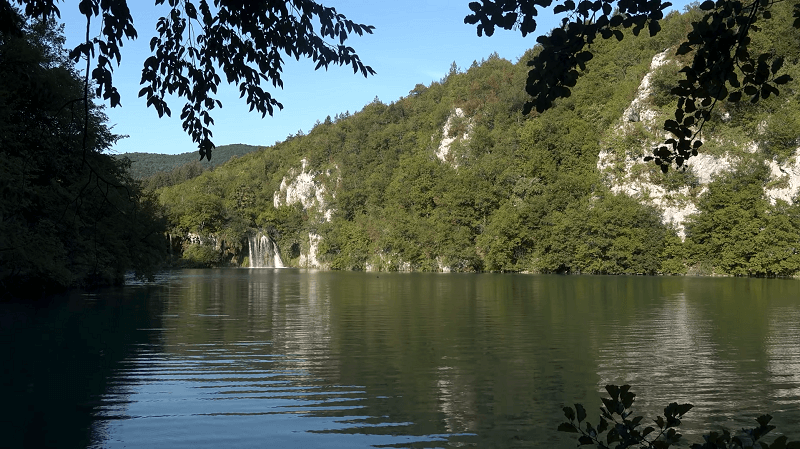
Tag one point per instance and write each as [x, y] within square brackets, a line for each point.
[145, 165]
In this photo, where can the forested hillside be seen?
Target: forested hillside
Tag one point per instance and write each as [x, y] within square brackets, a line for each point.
[454, 177]
[145, 165]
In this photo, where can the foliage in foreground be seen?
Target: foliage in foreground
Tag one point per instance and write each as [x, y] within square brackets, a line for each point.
[618, 426]
[198, 42]
[70, 215]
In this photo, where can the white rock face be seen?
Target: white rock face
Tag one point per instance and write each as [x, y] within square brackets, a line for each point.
[638, 109]
[442, 267]
[444, 146]
[677, 206]
[197, 239]
[705, 167]
[790, 171]
[310, 260]
[306, 188]
[303, 187]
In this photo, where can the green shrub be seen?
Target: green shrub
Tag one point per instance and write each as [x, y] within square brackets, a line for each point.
[201, 255]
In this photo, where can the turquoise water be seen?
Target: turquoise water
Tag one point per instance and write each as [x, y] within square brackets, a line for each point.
[291, 358]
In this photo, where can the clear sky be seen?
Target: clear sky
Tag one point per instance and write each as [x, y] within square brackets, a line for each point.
[415, 41]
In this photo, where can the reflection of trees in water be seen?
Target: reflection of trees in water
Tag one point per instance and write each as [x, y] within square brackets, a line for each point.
[667, 354]
[444, 358]
[61, 362]
[712, 345]
[783, 348]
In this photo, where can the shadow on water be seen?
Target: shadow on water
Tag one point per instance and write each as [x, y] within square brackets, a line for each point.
[58, 360]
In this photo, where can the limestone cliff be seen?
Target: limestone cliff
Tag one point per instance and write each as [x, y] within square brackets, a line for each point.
[307, 188]
[626, 172]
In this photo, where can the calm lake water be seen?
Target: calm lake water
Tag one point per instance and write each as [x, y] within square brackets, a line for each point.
[303, 359]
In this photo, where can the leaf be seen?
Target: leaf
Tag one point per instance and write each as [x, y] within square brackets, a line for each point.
[611, 405]
[763, 420]
[191, 12]
[581, 412]
[777, 63]
[567, 427]
[584, 439]
[603, 426]
[568, 5]
[660, 422]
[707, 5]
[569, 413]
[654, 27]
[783, 79]
[779, 443]
[683, 49]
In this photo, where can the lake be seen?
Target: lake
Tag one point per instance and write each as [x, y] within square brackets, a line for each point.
[307, 359]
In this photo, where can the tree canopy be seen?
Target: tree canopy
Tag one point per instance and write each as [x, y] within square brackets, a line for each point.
[200, 42]
[719, 64]
[69, 214]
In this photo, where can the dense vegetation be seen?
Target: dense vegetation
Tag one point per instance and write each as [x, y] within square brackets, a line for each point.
[69, 214]
[720, 63]
[514, 192]
[147, 165]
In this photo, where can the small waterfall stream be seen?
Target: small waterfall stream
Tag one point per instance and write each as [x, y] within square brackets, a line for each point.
[263, 252]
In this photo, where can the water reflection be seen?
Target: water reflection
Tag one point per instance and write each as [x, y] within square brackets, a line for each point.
[292, 358]
[783, 350]
[59, 362]
[706, 345]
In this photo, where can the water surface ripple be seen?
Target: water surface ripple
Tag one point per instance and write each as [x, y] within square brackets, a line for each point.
[290, 358]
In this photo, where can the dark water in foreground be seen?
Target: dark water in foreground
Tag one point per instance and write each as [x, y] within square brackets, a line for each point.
[299, 359]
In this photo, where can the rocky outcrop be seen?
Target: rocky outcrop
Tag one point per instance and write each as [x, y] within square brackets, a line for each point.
[308, 259]
[626, 172]
[307, 188]
[451, 135]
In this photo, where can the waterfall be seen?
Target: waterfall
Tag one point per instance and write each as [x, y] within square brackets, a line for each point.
[263, 252]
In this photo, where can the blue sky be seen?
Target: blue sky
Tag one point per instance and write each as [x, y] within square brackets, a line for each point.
[413, 42]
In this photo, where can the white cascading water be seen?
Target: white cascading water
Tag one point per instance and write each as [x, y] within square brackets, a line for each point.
[263, 252]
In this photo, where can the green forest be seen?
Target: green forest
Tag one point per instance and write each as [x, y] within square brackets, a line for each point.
[451, 177]
[516, 192]
[156, 166]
